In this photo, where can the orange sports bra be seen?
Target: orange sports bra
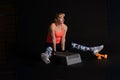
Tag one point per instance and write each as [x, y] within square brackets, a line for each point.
[58, 36]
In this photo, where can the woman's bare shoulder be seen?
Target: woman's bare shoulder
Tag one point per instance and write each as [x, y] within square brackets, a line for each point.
[52, 26]
[65, 26]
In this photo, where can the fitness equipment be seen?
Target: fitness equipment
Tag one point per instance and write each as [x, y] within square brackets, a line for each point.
[68, 58]
[100, 56]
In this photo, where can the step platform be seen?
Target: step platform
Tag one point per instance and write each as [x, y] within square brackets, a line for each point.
[68, 58]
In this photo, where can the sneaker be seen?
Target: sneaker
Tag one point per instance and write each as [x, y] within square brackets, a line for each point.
[97, 49]
[45, 58]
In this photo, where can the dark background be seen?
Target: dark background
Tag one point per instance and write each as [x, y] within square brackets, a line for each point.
[24, 24]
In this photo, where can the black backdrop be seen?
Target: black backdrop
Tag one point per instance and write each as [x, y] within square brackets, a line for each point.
[90, 22]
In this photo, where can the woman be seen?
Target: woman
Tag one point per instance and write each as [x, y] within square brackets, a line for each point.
[56, 39]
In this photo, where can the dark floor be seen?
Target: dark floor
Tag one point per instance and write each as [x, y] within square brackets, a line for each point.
[89, 69]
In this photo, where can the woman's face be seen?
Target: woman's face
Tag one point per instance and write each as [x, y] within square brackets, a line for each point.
[60, 19]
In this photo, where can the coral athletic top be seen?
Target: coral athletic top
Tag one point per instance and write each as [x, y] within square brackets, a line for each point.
[58, 36]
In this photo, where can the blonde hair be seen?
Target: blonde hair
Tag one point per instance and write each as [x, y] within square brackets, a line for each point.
[60, 14]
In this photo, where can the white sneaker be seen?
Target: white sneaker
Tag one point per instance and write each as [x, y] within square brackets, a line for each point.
[97, 49]
[45, 58]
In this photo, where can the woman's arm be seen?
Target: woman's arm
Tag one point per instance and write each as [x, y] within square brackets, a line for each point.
[64, 38]
[52, 32]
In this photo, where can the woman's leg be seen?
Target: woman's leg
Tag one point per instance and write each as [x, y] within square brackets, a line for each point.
[95, 49]
[47, 54]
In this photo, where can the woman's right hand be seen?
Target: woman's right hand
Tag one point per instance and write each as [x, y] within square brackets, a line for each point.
[54, 53]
